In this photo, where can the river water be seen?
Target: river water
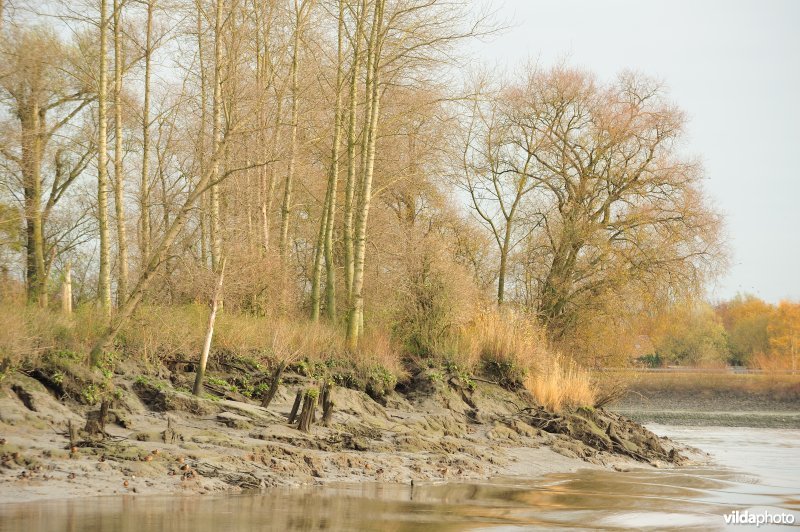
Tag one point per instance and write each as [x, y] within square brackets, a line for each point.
[756, 470]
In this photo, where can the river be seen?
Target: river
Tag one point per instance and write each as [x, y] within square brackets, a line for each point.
[755, 471]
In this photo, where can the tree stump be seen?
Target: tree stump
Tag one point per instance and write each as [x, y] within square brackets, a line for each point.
[309, 406]
[295, 406]
[273, 386]
[327, 405]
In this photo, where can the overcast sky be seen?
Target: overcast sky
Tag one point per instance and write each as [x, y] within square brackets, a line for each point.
[734, 67]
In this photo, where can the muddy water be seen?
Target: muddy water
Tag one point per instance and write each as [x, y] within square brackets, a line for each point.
[757, 470]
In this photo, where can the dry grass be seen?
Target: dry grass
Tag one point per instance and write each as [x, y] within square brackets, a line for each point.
[16, 341]
[775, 386]
[507, 343]
[770, 362]
[27, 332]
[376, 350]
[561, 384]
[176, 333]
[160, 334]
[513, 347]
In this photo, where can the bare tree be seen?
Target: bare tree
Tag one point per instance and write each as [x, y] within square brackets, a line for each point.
[119, 172]
[37, 88]
[302, 11]
[616, 203]
[496, 176]
[328, 219]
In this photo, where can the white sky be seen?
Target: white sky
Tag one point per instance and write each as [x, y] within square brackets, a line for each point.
[734, 67]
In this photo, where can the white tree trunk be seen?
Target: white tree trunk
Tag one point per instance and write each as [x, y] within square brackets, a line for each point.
[201, 368]
[104, 285]
[119, 175]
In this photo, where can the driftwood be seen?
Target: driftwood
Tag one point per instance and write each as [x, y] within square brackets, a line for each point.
[72, 434]
[241, 479]
[170, 435]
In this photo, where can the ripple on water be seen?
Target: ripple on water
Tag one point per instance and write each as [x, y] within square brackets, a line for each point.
[758, 469]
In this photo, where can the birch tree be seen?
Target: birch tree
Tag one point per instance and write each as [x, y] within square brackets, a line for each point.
[144, 182]
[328, 219]
[216, 237]
[302, 11]
[104, 281]
[119, 173]
[44, 100]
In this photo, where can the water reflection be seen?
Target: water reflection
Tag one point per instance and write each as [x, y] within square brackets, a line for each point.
[759, 470]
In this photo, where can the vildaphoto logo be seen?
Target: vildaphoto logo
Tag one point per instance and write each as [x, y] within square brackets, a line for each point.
[763, 518]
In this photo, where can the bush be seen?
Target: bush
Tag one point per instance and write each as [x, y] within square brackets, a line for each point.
[436, 299]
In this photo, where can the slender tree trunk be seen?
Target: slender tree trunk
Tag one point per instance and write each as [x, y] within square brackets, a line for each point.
[216, 239]
[32, 119]
[317, 268]
[104, 285]
[157, 258]
[144, 185]
[201, 368]
[119, 176]
[333, 183]
[501, 274]
[351, 158]
[359, 200]
[266, 206]
[327, 219]
[201, 142]
[355, 319]
[66, 291]
[286, 207]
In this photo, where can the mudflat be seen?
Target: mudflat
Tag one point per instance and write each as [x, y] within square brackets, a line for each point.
[159, 439]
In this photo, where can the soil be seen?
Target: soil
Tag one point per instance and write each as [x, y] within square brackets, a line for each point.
[157, 438]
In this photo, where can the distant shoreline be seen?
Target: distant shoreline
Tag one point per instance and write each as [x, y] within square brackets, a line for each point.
[724, 399]
[751, 419]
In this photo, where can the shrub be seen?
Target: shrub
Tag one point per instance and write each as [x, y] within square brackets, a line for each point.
[436, 299]
[610, 387]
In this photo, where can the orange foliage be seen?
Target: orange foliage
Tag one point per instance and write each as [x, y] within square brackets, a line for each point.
[784, 336]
